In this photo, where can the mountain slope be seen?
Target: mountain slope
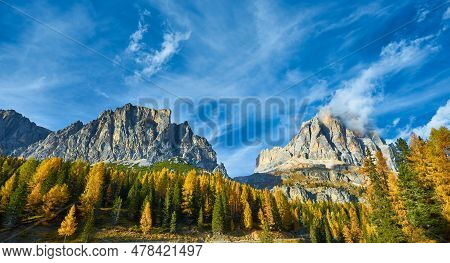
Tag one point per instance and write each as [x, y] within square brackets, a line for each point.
[325, 141]
[321, 162]
[132, 135]
[18, 131]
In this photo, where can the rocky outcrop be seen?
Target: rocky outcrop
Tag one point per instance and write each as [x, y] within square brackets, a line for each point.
[323, 141]
[17, 131]
[320, 163]
[131, 134]
[318, 194]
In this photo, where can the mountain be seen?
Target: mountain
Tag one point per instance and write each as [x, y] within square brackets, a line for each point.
[17, 131]
[128, 135]
[321, 162]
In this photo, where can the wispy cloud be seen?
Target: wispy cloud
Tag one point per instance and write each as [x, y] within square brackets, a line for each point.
[440, 119]
[148, 61]
[422, 14]
[395, 122]
[355, 101]
[446, 14]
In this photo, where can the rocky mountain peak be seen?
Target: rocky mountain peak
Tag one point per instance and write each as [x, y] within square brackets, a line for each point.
[17, 131]
[129, 134]
[323, 140]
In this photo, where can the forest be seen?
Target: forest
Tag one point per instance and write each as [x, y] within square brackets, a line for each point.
[78, 198]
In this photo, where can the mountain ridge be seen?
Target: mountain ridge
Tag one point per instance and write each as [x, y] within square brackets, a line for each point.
[128, 134]
[321, 162]
[18, 131]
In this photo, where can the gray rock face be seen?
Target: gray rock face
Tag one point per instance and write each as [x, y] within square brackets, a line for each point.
[317, 194]
[322, 141]
[131, 134]
[17, 131]
[320, 163]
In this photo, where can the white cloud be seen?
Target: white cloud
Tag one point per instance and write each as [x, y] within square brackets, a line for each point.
[395, 122]
[135, 39]
[422, 14]
[446, 14]
[441, 118]
[152, 61]
[355, 101]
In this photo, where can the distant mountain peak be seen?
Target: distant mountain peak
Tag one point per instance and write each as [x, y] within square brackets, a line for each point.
[322, 140]
[17, 131]
[127, 134]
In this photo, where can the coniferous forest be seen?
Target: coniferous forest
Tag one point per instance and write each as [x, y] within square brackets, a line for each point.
[54, 201]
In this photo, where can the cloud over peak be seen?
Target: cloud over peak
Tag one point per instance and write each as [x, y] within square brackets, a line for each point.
[355, 101]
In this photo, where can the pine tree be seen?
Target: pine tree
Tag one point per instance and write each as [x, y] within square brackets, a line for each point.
[69, 225]
[115, 211]
[382, 214]
[146, 219]
[200, 220]
[18, 197]
[266, 235]
[176, 197]
[167, 209]
[218, 226]
[173, 222]
[419, 199]
[88, 227]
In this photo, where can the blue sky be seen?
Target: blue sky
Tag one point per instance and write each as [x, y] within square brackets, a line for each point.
[377, 64]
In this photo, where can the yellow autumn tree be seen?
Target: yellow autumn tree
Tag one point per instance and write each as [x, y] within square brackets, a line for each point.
[5, 192]
[69, 224]
[267, 208]
[54, 200]
[93, 192]
[44, 170]
[248, 220]
[188, 193]
[146, 219]
[418, 159]
[34, 199]
[413, 234]
[355, 230]
[284, 209]
[437, 152]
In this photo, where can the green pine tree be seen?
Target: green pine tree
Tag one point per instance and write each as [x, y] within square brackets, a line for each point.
[200, 219]
[173, 222]
[218, 226]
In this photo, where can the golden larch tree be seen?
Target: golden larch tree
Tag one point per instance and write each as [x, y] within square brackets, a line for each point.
[54, 199]
[146, 219]
[248, 220]
[69, 224]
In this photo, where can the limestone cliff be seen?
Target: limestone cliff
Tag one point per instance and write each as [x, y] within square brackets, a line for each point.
[132, 135]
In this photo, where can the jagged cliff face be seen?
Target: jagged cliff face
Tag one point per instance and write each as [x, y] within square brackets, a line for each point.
[320, 163]
[16, 131]
[131, 134]
[322, 141]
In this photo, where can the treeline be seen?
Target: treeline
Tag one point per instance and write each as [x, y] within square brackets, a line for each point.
[414, 204]
[165, 198]
[411, 206]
